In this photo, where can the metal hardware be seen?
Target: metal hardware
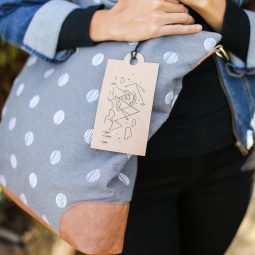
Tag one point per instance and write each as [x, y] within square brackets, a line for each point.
[238, 143]
[220, 52]
[133, 54]
[241, 148]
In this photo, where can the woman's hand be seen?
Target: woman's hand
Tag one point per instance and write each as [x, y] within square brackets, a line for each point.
[211, 10]
[195, 3]
[132, 20]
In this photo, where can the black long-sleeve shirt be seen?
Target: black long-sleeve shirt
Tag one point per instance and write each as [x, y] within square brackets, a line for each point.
[200, 120]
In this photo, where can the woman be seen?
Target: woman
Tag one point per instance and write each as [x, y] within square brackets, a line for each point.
[197, 199]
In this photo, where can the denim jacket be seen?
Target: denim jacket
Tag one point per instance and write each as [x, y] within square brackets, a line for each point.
[28, 24]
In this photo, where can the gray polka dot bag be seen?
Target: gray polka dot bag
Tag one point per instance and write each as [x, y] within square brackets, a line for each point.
[46, 163]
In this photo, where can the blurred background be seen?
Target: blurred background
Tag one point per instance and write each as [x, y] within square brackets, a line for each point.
[22, 235]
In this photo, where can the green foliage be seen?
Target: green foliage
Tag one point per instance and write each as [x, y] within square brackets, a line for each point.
[11, 62]
[2, 196]
[8, 54]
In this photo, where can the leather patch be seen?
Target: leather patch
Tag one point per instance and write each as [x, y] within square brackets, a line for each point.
[95, 228]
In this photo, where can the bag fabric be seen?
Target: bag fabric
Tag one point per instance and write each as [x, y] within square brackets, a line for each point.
[46, 164]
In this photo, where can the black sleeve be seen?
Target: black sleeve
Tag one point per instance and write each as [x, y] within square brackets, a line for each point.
[236, 30]
[75, 29]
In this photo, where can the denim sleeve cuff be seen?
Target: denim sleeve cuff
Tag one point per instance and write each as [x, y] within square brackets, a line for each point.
[42, 34]
[251, 50]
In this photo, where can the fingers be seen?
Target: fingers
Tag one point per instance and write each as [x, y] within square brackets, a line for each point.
[174, 18]
[171, 7]
[178, 29]
[172, 1]
[167, 6]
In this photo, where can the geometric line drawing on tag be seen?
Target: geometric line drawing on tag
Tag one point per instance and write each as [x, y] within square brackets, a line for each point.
[139, 90]
[125, 100]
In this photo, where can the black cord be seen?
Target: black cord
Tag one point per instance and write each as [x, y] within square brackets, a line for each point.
[134, 52]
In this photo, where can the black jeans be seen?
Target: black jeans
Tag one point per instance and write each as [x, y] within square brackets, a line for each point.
[188, 206]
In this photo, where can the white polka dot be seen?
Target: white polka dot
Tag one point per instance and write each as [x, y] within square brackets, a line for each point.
[55, 157]
[61, 200]
[59, 117]
[34, 101]
[48, 73]
[92, 95]
[12, 123]
[23, 198]
[97, 59]
[175, 97]
[122, 177]
[33, 180]
[170, 57]
[13, 161]
[32, 60]
[88, 136]
[63, 79]
[2, 180]
[93, 175]
[209, 44]
[20, 89]
[45, 219]
[29, 138]
[4, 111]
[169, 97]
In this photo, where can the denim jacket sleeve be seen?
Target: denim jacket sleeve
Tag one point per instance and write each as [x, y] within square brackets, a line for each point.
[34, 26]
[238, 66]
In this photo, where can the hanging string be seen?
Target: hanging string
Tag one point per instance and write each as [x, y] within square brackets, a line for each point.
[134, 52]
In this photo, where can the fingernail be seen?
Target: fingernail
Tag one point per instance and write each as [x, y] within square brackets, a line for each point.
[199, 27]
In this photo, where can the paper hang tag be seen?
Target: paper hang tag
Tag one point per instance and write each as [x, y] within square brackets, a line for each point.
[125, 105]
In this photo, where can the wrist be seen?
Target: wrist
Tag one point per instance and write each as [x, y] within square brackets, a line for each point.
[212, 11]
[199, 5]
[98, 26]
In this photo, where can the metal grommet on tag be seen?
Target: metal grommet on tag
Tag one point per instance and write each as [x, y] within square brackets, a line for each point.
[133, 53]
[139, 59]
